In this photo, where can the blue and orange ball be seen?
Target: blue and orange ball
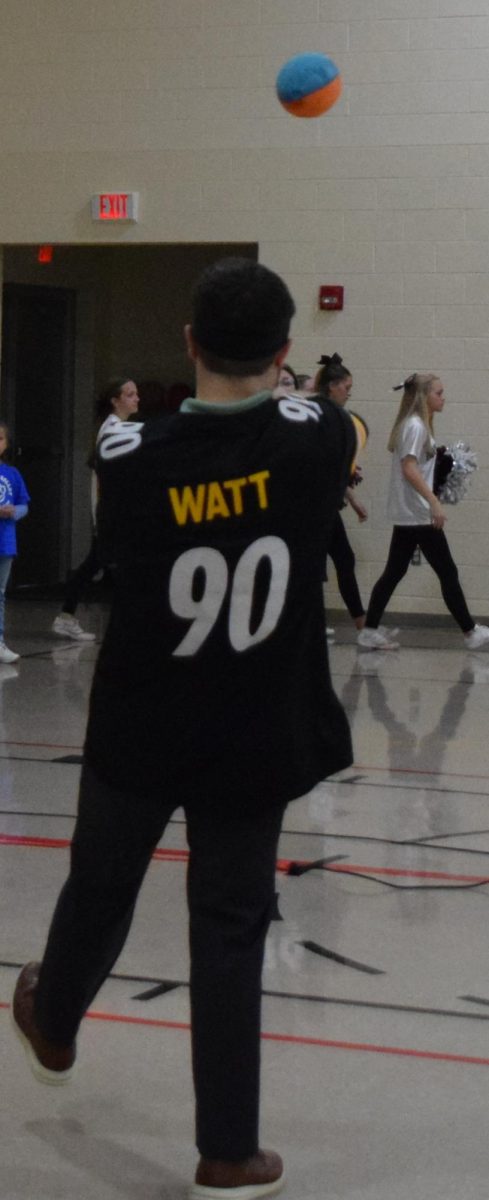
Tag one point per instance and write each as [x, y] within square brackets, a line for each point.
[308, 84]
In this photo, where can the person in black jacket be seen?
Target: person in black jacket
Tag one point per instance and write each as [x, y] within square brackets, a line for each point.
[212, 692]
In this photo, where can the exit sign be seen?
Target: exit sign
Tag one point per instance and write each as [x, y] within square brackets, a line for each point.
[115, 206]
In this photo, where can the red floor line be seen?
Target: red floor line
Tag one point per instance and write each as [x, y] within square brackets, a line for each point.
[40, 843]
[294, 1040]
[283, 864]
[51, 843]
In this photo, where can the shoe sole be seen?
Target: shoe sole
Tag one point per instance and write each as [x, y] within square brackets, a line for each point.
[42, 1074]
[249, 1192]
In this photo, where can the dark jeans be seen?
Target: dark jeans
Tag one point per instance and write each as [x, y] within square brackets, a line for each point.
[433, 543]
[230, 888]
[81, 578]
[341, 553]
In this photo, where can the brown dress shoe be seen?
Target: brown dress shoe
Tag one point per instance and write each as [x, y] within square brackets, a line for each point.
[260, 1175]
[49, 1062]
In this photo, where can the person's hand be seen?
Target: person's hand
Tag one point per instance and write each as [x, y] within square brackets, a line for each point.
[438, 517]
[6, 511]
[361, 511]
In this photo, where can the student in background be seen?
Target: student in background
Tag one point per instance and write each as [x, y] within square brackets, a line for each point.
[287, 380]
[119, 402]
[417, 516]
[14, 504]
[334, 380]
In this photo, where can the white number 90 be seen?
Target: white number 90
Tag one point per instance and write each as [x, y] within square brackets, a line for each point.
[203, 612]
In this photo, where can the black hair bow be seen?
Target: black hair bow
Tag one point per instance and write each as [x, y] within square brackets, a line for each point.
[408, 383]
[330, 361]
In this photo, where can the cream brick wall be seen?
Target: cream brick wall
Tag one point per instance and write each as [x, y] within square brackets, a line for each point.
[388, 194]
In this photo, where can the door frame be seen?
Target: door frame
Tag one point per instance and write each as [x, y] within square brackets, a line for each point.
[9, 355]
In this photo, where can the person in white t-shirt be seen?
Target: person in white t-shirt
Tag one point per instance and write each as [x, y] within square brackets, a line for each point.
[417, 516]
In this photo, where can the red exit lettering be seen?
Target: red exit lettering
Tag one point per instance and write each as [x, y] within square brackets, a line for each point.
[113, 206]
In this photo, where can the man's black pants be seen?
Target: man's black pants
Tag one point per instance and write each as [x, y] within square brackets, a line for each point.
[230, 890]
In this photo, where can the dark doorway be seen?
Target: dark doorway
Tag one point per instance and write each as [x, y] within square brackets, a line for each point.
[37, 387]
[93, 312]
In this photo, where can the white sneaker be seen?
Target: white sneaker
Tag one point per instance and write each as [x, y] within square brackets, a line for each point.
[6, 655]
[9, 671]
[387, 630]
[68, 627]
[329, 633]
[375, 639]
[478, 636]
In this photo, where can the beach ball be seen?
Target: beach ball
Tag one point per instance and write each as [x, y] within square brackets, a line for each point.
[308, 84]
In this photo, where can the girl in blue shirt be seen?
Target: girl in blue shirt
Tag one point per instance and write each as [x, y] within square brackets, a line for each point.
[14, 504]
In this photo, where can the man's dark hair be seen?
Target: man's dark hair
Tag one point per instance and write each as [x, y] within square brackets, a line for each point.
[241, 316]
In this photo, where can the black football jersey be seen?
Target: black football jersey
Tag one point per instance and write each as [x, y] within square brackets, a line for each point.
[213, 677]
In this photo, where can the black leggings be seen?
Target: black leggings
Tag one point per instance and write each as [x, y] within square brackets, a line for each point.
[434, 545]
[80, 580]
[341, 553]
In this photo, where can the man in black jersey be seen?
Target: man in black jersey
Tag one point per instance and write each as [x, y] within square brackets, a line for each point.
[211, 691]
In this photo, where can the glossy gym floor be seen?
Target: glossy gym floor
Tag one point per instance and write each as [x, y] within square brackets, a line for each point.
[376, 986]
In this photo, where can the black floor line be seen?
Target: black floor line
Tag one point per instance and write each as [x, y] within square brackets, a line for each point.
[372, 783]
[46, 654]
[299, 868]
[340, 1001]
[159, 990]
[392, 786]
[419, 843]
[435, 837]
[25, 758]
[69, 758]
[340, 958]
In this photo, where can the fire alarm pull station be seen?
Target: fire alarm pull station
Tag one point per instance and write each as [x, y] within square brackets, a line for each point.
[331, 297]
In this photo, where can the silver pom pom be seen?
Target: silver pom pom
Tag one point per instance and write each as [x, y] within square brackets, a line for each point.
[456, 484]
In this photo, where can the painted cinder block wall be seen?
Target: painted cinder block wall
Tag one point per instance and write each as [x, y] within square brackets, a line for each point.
[388, 194]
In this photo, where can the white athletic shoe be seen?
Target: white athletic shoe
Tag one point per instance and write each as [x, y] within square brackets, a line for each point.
[375, 639]
[478, 637]
[387, 630]
[6, 655]
[68, 627]
[329, 633]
